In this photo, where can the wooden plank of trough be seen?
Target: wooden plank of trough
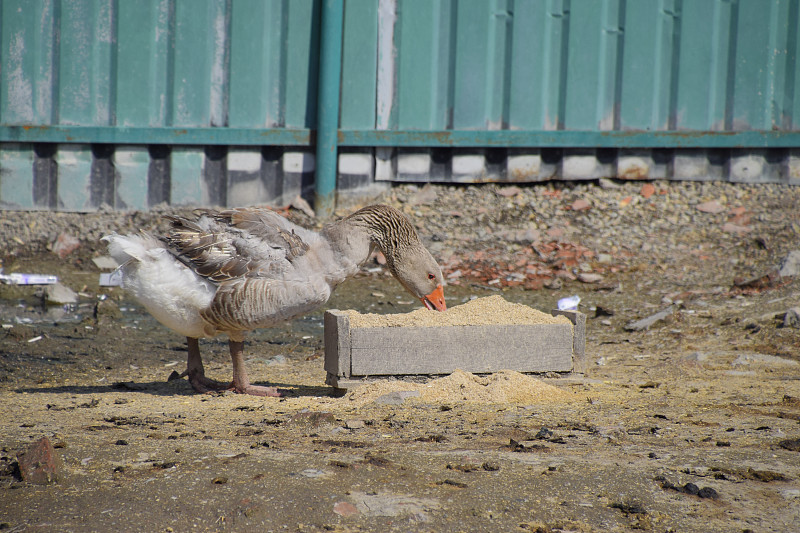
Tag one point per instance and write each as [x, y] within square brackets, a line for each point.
[578, 320]
[478, 349]
[337, 342]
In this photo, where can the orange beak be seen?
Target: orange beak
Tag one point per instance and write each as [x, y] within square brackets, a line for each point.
[435, 300]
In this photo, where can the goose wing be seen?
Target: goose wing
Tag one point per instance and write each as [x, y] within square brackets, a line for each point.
[237, 243]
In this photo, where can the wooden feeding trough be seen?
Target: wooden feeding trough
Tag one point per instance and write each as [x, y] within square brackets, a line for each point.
[354, 352]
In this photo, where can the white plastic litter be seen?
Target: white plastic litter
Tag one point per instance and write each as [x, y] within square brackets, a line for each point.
[570, 303]
[18, 278]
[111, 279]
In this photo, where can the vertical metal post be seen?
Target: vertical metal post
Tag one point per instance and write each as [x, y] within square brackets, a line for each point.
[330, 71]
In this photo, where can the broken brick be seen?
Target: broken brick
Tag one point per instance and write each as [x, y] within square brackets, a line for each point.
[39, 463]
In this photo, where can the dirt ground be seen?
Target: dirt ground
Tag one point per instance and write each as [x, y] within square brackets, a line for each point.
[692, 424]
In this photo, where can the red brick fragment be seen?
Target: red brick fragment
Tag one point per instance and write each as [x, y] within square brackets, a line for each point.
[648, 189]
[39, 463]
[580, 205]
[345, 509]
[65, 244]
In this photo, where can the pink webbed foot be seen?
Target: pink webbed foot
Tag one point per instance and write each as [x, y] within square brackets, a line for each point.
[241, 383]
[205, 385]
[257, 390]
[196, 372]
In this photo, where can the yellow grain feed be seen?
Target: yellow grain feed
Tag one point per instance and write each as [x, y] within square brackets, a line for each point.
[505, 386]
[488, 311]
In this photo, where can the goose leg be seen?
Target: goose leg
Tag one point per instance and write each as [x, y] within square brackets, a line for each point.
[196, 372]
[241, 383]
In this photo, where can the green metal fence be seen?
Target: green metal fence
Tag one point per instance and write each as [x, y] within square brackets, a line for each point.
[248, 101]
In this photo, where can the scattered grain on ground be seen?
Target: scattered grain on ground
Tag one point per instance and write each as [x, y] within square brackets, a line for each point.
[488, 311]
[505, 386]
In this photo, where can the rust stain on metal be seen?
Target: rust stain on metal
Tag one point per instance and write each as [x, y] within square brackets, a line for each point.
[634, 171]
[520, 175]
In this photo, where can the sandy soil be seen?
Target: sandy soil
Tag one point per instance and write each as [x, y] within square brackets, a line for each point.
[690, 425]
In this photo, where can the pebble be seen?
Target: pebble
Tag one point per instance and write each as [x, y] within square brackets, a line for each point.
[712, 207]
[580, 205]
[793, 445]
[39, 463]
[792, 318]
[790, 265]
[59, 293]
[65, 244]
[645, 323]
[345, 509]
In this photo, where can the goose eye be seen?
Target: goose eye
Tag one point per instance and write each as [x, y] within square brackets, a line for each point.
[431, 276]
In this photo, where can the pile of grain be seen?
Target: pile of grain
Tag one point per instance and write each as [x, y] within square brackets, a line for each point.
[505, 386]
[488, 311]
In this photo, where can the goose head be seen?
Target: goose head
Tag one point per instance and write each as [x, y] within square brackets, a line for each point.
[406, 257]
[418, 272]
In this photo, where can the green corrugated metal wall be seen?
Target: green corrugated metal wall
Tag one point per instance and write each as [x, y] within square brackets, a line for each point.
[216, 101]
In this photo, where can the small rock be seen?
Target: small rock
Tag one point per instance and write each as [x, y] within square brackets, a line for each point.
[60, 294]
[345, 509]
[793, 445]
[712, 207]
[648, 189]
[580, 205]
[792, 318]
[689, 488]
[65, 244]
[708, 492]
[729, 227]
[355, 424]
[508, 192]
[790, 265]
[491, 466]
[588, 277]
[606, 184]
[39, 463]
[645, 323]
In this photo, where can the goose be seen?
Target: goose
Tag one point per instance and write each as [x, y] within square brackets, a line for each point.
[234, 270]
